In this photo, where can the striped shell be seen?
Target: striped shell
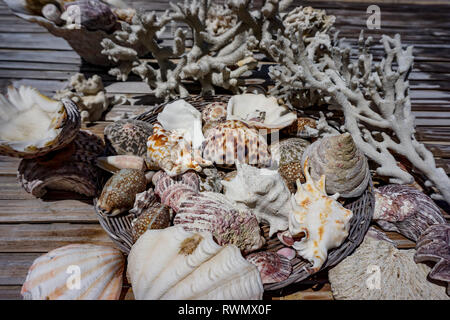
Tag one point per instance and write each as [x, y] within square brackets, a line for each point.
[176, 264]
[32, 125]
[54, 275]
[405, 210]
[128, 137]
[271, 266]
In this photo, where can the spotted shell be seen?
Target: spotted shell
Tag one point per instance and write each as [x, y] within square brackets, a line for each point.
[290, 173]
[53, 276]
[271, 266]
[213, 114]
[128, 137]
[92, 14]
[406, 210]
[120, 191]
[302, 127]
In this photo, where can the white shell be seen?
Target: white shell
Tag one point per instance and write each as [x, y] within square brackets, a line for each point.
[259, 111]
[175, 264]
[322, 219]
[182, 115]
[264, 192]
[53, 276]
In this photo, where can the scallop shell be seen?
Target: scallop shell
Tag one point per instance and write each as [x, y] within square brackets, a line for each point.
[233, 141]
[53, 276]
[405, 210]
[70, 169]
[128, 137]
[322, 220]
[345, 167]
[119, 192]
[434, 245]
[271, 266]
[32, 125]
[264, 192]
[259, 111]
[176, 264]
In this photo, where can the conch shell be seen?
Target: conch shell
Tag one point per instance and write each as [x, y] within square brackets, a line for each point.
[322, 220]
[176, 264]
[53, 276]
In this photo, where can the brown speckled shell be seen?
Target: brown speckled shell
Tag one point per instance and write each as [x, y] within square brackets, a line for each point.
[271, 266]
[290, 173]
[128, 137]
[298, 128]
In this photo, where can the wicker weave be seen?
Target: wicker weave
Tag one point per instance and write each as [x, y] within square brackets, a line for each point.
[119, 228]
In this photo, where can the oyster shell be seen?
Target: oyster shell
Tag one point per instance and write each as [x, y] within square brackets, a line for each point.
[259, 111]
[271, 266]
[32, 125]
[434, 245]
[264, 192]
[321, 220]
[53, 276]
[405, 210]
[345, 167]
[377, 270]
[119, 192]
[70, 169]
[176, 264]
[128, 137]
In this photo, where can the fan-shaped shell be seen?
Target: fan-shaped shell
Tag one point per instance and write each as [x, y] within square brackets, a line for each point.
[345, 167]
[271, 266]
[55, 274]
[128, 137]
[176, 264]
[32, 125]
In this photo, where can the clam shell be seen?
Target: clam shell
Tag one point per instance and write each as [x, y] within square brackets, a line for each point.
[32, 125]
[53, 275]
[128, 137]
[271, 266]
[176, 264]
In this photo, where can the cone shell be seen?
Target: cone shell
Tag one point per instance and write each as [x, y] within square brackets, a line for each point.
[128, 137]
[175, 264]
[32, 125]
[405, 210]
[271, 266]
[341, 162]
[53, 275]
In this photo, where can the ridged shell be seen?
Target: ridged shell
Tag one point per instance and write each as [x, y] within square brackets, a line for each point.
[175, 264]
[264, 192]
[400, 278]
[53, 275]
[434, 245]
[119, 192]
[92, 14]
[345, 167]
[128, 137]
[405, 210]
[70, 169]
[271, 266]
[233, 141]
[32, 125]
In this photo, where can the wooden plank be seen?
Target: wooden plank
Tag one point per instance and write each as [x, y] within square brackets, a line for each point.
[14, 267]
[10, 293]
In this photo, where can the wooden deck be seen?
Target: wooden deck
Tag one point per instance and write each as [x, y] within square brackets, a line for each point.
[29, 55]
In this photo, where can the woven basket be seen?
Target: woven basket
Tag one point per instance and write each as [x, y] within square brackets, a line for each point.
[119, 228]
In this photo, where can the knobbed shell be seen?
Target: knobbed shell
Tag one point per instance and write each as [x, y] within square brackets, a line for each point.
[271, 266]
[343, 164]
[400, 278]
[176, 264]
[32, 125]
[51, 276]
[405, 210]
[128, 137]
[92, 14]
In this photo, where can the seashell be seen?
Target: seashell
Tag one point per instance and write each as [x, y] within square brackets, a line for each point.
[182, 115]
[114, 164]
[271, 266]
[150, 214]
[264, 192]
[211, 181]
[128, 137]
[52, 13]
[343, 164]
[288, 253]
[286, 238]
[405, 210]
[124, 14]
[259, 111]
[32, 125]
[290, 173]
[302, 127]
[176, 264]
[233, 141]
[434, 245]
[51, 276]
[120, 191]
[171, 152]
[92, 14]
[213, 114]
[354, 278]
[321, 220]
[70, 169]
